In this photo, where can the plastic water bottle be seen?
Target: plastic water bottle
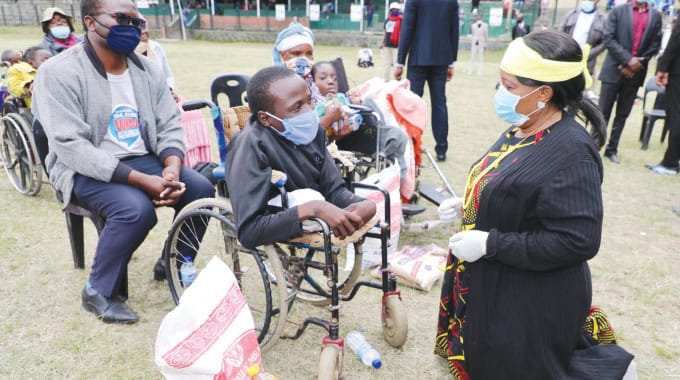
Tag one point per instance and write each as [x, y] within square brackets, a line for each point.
[187, 272]
[364, 350]
[355, 121]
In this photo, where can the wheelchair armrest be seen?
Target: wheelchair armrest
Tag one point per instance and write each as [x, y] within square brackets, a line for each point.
[360, 108]
[192, 105]
[385, 194]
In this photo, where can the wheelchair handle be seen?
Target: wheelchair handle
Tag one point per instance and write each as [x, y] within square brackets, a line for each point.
[360, 108]
[192, 105]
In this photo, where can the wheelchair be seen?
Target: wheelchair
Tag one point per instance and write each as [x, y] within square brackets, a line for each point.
[274, 277]
[18, 148]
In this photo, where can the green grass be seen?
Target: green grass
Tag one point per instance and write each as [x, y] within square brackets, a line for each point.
[46, 333]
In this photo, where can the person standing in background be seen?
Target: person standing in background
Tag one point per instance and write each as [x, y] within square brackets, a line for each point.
[58, 28]
[429, 37]
[155, 52]
[520, 29]
[668, 77]
[632, 36]
[391, 33]
[479, 34]
[586, 25]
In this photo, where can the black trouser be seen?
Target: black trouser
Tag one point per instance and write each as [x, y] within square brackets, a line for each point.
[435, 76]
[623, 93]
[672, 105]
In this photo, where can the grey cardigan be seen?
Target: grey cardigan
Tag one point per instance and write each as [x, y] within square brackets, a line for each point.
[72, 100]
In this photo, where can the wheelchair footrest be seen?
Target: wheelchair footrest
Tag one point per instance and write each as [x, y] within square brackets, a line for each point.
[432, 193]
[411, 210]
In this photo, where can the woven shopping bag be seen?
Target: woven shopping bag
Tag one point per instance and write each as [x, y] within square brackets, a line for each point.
[210, 334]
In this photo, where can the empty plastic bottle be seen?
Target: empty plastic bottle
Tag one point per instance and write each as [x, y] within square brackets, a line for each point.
[355, 121]
[364, 350]
[187, 272]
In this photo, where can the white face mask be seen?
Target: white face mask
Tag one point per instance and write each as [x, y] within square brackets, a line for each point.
[60, 32]
[588, 6]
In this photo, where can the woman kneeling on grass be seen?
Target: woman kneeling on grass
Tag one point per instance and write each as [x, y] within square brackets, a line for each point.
[516, 301]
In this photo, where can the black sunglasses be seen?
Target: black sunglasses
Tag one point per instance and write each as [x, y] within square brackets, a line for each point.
[123, 19]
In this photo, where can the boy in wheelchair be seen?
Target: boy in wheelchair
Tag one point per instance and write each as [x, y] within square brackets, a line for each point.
[20, 75]
[284, 134]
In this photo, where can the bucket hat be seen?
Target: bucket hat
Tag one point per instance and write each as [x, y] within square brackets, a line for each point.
[47, 17]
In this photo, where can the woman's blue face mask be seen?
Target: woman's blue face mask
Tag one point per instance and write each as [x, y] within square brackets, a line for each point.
[300, 129]
[61, 32]
[506, 106]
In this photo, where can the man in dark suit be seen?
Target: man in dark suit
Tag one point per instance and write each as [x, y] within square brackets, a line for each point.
[668, 77]
[429, 36]
[521, 28]
[632, 36]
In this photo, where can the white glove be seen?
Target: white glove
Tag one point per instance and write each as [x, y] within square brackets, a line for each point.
[450, 209]
[469, 245]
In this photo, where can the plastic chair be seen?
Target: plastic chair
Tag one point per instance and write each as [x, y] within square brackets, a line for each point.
[233, 86]
[653, 113]
[74, 214]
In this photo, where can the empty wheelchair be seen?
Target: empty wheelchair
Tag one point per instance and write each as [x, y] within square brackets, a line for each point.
[17, 147]
[274, 277]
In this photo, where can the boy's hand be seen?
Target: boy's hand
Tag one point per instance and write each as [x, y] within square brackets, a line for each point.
[341, 222]
[365, 209]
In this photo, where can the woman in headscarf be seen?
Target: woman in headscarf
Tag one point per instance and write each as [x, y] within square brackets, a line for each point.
[293, 42]
[516, 299]
[58, 28]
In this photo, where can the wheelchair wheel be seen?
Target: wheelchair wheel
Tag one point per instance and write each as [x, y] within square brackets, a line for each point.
[19, 155]
[329, 362]
[259, 272]
[346, 280]
[395, 321]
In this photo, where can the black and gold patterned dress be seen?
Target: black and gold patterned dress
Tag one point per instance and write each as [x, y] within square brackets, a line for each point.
[449, 343]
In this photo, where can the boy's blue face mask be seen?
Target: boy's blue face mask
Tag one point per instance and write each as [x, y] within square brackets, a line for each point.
[300, 129]
[506, 106]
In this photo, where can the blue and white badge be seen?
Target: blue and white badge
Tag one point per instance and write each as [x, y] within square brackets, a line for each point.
[124, 125]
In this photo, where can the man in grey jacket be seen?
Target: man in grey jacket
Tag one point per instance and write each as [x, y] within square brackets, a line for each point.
[115, 143]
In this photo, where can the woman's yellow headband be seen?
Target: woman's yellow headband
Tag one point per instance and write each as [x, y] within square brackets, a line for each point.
[522, 61]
